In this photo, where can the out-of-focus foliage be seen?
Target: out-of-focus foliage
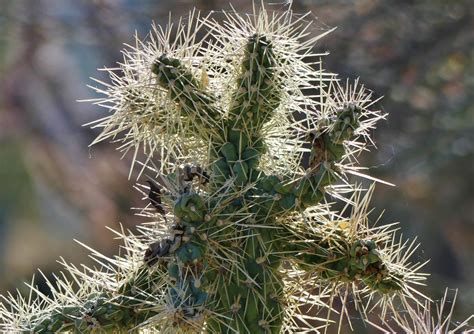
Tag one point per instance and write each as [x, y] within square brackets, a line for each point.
[419, 54]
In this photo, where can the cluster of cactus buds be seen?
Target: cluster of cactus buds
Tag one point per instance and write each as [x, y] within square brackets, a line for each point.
[242, 227]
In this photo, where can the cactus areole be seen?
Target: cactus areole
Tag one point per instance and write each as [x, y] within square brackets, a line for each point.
[253, 140]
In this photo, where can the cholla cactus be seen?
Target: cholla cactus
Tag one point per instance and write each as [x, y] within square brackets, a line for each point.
[242, 235]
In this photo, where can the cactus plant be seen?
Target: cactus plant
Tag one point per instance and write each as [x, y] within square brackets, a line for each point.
[253, 139]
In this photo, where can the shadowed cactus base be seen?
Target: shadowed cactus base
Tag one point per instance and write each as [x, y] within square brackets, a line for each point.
[242, 235]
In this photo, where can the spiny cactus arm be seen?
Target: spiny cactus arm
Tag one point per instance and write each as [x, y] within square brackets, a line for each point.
[256, 95]
[339, 258]
[252, 103]
[188, 93]
[184, 254]
[350, 254]
[286, 194]
[108, 311]
[109, 302]
[170, 281]
[327, 142]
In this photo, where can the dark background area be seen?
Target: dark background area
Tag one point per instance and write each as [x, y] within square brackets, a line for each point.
[54, 188]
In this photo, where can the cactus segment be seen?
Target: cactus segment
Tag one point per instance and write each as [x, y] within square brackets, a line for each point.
[256, 94]
[100, 312]
[186, 91]
[350, 261]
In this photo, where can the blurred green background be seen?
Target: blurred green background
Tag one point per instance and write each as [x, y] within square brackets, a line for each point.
[53, 188]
